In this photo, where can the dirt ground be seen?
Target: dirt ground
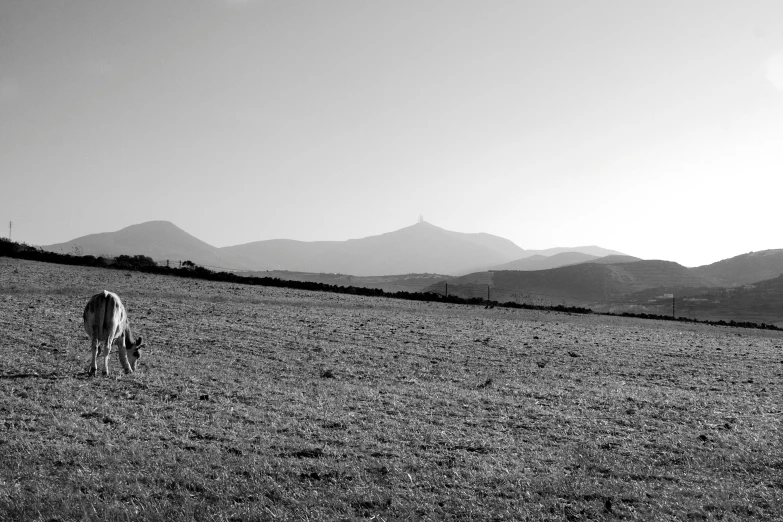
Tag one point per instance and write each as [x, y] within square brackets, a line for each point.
[275, 403]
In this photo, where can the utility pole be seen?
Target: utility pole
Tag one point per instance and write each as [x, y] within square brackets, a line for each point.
[488, 299]
[447, 289]
[673, 317]
[10, 223]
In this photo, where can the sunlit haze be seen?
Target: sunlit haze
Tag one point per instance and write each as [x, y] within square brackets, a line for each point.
[654, 128]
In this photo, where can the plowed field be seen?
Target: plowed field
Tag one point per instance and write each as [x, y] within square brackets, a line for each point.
[256, 403]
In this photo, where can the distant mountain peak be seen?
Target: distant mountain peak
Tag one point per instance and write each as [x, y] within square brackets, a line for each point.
[418, 248]
[424, 225]
[156, 226]
[154, 223]
[161, 240]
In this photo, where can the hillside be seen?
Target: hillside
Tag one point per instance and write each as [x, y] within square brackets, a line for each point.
[615, 259]
[744, 269]
[159, 240]
[584, 283]
[282, 254]
[541, 262]
[760, 302]
[634, 286]
[591, 250]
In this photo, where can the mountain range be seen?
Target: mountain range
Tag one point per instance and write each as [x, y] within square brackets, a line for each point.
[429, 258]
[419, 248]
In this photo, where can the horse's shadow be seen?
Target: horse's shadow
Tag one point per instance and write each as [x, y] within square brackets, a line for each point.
[49, 376]
[52, 376]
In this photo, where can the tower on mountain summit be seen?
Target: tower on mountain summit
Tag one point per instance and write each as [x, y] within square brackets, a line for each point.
[421, 218]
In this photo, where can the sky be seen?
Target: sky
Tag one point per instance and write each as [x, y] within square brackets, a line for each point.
[652, 128]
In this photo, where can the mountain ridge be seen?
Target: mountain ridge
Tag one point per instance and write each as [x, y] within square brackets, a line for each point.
[419, 248]
[542, 262]
[584, 283]
[745, 268]
[592, 250]
[163, 240]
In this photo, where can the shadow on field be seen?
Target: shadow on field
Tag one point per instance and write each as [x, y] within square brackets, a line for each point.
[55, 376]
[33, 375]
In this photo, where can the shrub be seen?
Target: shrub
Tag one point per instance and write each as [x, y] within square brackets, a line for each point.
[134, 262]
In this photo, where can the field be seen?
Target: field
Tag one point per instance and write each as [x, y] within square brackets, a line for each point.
[257, 403]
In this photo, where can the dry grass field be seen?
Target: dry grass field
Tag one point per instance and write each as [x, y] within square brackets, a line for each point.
[257, 403]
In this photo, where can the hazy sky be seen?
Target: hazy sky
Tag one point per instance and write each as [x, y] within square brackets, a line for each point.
[650, 127]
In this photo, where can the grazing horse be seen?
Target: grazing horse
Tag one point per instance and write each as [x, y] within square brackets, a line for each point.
[106, 322]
